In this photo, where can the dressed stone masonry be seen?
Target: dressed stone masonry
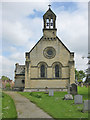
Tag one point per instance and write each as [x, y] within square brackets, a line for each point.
[49, 64]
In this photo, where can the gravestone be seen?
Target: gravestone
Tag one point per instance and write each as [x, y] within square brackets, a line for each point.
[73, 89]
[51, 93]
[78, 99]
[86, 106]
[69, 88]
[46, 90]
[68, 97]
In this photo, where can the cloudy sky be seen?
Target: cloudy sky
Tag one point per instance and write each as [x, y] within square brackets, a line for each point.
[22, 24]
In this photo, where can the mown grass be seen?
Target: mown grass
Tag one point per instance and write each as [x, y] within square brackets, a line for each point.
[8, 107]
[56, 106]
[84, 91]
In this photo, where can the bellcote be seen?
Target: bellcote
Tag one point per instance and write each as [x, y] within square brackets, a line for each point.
[49, 19]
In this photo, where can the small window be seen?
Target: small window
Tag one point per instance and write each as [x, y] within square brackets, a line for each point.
[42, 70]
[56, 70]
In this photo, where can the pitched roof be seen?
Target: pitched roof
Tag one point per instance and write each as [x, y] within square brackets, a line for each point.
[59, 41]
[63, 45]
[48, 13]
[36, 44]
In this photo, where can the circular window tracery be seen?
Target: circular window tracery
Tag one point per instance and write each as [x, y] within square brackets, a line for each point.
[49, 52]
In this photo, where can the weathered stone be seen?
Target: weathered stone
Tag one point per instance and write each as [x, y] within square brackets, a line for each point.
[78, 99]
[68, 97]
[73, 89]
[86, 106]
[51, 92]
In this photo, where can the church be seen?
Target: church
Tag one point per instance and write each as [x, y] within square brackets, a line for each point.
[49, 64]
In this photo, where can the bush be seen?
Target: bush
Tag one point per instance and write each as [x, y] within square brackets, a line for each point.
[8, 85]
[80, 81]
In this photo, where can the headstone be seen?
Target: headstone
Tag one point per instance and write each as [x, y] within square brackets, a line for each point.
[68, 90]
[68, 97]
[86, 106]
[46, 90]
[51, 93]
[78, 99]
[73, 89]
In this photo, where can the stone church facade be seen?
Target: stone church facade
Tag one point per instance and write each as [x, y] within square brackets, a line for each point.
[49, 64]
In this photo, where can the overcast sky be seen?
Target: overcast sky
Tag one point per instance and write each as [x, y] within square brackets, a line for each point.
[22, 24]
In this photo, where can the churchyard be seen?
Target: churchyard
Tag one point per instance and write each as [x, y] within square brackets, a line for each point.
[56, 106]
[52, 103]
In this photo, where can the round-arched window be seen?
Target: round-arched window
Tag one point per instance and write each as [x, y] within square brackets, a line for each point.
[56, 70]
[42, 70]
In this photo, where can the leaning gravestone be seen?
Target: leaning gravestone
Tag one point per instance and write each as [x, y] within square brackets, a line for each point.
[86, 106]
[78, 99]
[51, 93]
[73, 89]
[68, 97]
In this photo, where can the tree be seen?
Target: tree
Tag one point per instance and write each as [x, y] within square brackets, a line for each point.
[79, 75]
[8, 85]
[5, 78]
[82, 74]
[88, 71]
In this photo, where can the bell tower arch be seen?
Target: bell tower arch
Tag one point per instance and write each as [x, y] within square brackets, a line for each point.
[49, 20]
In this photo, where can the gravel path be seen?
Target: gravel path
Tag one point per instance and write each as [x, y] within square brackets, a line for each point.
[25, 108]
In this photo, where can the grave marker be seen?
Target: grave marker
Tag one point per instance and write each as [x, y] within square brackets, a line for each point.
[78, 99]
[86, 106]
[73, 89]
[51, 93]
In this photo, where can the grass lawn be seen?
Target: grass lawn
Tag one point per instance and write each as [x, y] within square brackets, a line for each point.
[56, 106]
[8, 107]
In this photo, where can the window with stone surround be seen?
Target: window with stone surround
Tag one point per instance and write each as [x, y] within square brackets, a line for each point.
[42, 70]
[57, 71]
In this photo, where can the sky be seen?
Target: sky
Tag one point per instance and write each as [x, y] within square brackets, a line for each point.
[22, 24]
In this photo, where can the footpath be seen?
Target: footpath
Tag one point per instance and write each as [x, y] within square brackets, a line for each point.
[25, 108]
